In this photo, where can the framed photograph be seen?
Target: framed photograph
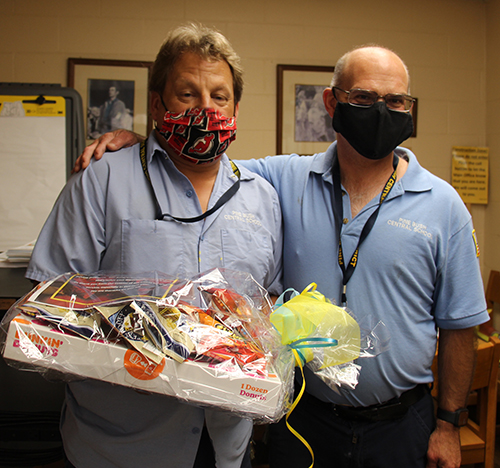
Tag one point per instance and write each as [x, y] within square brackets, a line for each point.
[414, 112]
[303, 125]
[114, 94]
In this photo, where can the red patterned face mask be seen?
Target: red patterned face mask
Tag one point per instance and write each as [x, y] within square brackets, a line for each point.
[198, 135]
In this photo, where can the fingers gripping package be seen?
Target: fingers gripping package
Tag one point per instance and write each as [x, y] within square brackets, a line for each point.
[207, 341]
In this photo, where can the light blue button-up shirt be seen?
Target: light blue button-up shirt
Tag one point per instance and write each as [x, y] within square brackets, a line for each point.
[104, 220]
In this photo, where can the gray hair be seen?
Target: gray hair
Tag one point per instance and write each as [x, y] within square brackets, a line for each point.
[208, 43]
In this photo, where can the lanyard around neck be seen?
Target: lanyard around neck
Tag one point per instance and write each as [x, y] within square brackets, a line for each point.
[226, 196]
[348, 270]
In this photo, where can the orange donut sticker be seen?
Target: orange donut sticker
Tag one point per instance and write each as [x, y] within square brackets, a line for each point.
[140, 367]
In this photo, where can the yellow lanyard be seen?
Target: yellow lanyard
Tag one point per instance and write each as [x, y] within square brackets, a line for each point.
[348, 270]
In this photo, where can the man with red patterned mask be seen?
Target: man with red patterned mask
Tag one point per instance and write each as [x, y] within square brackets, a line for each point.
[176, 204]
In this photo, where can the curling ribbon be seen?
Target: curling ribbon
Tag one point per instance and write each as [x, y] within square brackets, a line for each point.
[295, 403]
[291, 327]
[309, 343]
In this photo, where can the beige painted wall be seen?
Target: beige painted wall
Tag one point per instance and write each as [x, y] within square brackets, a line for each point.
[449, 46]
[491, 244]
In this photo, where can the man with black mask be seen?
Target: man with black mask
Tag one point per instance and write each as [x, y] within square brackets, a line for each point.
[379, 233]
[396, 244]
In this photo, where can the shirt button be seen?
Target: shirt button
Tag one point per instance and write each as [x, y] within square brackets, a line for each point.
[189, 193]
[195, 430]
[345, 220]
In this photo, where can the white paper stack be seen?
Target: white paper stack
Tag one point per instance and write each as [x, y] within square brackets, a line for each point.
[17, 256]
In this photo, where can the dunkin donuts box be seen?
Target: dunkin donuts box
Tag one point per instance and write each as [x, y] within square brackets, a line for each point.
[231, 375]
[30, 341]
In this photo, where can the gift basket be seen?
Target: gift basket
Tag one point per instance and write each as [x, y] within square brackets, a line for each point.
[214, 340]
[207, 340]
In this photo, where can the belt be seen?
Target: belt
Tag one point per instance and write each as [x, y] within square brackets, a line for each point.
[391, 409]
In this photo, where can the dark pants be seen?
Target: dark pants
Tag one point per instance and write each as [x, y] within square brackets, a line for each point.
[205, 457]
[339, 443]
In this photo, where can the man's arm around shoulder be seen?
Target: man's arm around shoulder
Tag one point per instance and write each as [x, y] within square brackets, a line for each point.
[111, 141]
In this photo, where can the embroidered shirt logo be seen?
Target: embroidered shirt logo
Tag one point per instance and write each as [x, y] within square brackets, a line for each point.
[410, 225]
[242, 217]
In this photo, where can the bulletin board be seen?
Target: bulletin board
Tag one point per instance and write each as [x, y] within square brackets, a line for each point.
[41, 135]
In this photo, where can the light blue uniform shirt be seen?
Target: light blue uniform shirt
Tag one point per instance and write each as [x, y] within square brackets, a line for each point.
[104, 220]
[417, 269]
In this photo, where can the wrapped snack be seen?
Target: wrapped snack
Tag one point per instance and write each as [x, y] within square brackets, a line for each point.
[148, 331]
[83, 323]
[207, 341]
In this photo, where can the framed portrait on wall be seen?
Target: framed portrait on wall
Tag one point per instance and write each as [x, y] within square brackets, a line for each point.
[114, 94]
[303, 125]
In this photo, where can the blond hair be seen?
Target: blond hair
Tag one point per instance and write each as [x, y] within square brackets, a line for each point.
[208, 43]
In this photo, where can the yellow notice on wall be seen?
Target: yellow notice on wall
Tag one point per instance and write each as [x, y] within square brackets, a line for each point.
[32, 106]
[469, 173]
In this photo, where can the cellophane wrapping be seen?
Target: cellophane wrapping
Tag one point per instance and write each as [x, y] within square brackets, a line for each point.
[328, 339]
[206, 340]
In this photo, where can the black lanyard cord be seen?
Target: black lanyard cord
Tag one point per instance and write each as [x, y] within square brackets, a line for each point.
[226, 196]
[348, 270]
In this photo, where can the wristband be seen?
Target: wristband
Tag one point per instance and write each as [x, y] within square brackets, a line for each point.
[458, 418]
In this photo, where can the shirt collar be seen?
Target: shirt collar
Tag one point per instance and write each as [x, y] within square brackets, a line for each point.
[415, 179]
[154, 147]
[323, 163]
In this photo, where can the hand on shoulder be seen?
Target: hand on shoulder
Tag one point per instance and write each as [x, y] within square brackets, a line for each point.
[111, 141]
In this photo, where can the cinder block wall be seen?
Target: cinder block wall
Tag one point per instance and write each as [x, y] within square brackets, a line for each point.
[450, 47]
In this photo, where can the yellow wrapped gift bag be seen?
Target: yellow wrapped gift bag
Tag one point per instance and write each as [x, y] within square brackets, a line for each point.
[317, 328]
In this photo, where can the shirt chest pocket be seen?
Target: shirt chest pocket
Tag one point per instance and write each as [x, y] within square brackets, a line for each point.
[155, 245]
[175, 249]
[248, 251]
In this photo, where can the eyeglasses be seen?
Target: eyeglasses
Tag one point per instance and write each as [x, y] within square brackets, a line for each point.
[365, 98]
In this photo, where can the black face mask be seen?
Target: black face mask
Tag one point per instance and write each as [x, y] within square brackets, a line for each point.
[373, 132]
